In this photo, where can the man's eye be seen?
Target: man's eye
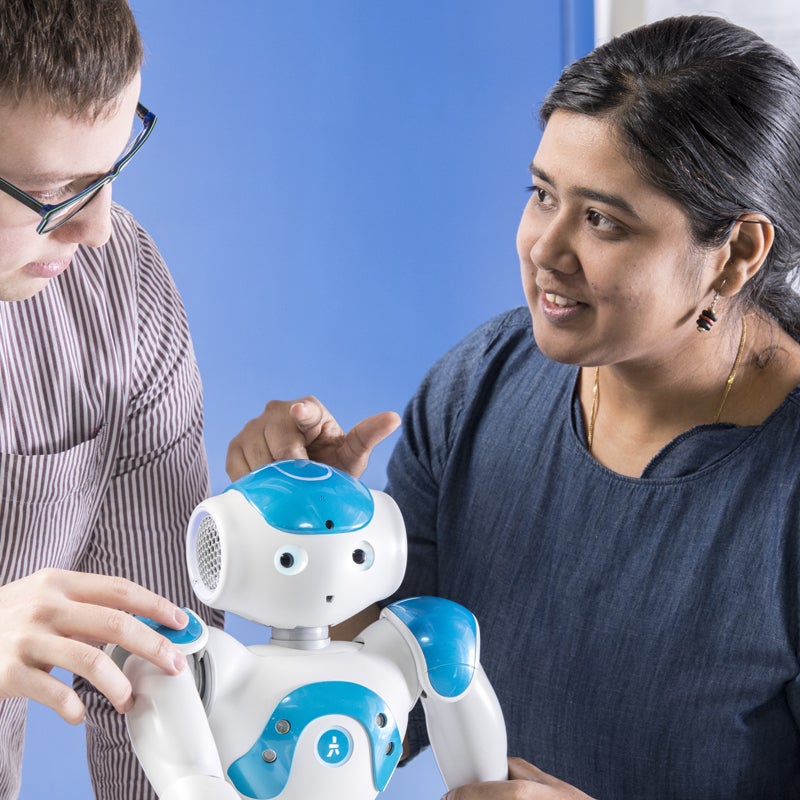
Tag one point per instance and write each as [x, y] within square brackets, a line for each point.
[51, 196]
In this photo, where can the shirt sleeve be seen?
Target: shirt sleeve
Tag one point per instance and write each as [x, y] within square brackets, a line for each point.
[418, 465]
[160, 475]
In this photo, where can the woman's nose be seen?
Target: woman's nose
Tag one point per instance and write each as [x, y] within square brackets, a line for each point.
[551, 247]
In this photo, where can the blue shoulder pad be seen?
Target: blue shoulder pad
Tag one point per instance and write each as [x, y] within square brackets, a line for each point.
[447, 634]
[299, 496]
[190, 639]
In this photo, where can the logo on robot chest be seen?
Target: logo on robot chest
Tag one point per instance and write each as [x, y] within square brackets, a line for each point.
[264, 770]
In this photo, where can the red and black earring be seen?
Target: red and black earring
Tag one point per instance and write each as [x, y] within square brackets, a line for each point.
[708, 316]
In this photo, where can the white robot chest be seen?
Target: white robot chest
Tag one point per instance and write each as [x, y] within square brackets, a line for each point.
[288, 730]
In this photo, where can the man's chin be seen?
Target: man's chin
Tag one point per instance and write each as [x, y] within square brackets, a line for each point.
[16, 291]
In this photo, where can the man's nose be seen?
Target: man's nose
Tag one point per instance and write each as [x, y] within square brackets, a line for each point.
[92, 224]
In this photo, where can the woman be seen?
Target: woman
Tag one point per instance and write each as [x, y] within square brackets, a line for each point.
[617, 497]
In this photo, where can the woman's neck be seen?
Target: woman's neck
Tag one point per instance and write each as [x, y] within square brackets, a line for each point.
[634, 410]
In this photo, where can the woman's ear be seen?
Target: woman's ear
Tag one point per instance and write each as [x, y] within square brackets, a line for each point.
[748, 247]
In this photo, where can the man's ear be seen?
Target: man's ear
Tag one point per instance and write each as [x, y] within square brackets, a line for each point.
[748, 247]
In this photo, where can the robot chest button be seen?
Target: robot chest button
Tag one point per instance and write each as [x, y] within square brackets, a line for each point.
[334, 747]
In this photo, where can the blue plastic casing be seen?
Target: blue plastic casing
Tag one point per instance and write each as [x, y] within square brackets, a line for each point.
[447, 634]
[255, 777]
[191, 633]
[300, 496]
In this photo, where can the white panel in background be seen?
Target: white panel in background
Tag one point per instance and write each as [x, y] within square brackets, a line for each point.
[778, 21]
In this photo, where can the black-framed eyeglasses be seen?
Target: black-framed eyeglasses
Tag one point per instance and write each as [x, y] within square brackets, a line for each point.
[55, 215]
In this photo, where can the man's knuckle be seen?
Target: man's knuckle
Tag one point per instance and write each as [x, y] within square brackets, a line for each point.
[19, 646]
[92, 660]
[162, 648]
[62, 697]
[121, 587]
[117, 624]
[49, 578]
[39, 612]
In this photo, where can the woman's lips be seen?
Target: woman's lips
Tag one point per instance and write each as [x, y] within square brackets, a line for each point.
[558, 307]
[47, 269]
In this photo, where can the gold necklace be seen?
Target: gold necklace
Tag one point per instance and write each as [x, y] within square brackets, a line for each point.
[593, 415]
[725, 392]
[732, 375]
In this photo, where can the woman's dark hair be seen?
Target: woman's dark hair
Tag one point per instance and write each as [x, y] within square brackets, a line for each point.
[710, 115]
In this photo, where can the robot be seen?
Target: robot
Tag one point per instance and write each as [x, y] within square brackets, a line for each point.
[300, 546]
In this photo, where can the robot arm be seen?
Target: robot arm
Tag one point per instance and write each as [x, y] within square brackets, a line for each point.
[169, 728]
[463, 716]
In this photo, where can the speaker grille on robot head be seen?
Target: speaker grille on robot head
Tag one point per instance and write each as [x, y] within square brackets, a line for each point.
[209, 553]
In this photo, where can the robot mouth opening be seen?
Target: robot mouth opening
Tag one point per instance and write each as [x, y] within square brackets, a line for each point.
[328, 598]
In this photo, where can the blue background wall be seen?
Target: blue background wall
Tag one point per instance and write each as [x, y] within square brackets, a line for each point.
[336, 187]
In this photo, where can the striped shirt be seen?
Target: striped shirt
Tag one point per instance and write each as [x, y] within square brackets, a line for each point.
[101, 454]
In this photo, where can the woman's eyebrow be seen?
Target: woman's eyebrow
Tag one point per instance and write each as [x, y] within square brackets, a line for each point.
[590, 194]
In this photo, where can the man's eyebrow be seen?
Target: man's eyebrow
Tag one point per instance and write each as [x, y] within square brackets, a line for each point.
[52, 178]
[590, 194]
[56, 177]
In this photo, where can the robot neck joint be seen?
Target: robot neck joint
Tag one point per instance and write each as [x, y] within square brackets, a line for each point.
[301, 638]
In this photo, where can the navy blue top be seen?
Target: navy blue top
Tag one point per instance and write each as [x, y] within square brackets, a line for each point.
[641, 633]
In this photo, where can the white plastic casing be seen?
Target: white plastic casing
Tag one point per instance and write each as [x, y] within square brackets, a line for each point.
[237, 562]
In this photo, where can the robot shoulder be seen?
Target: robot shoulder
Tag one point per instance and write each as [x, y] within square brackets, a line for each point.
[446, 638]
[189, 640]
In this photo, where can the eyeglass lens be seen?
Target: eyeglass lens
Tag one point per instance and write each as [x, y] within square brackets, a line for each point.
[67, 212]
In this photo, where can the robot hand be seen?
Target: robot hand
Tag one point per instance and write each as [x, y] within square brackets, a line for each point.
[168, 725]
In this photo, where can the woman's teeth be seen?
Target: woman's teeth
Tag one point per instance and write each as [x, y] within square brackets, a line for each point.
[558, 300]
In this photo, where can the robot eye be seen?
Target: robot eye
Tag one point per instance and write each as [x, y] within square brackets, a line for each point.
[289, 560]
[364, 556]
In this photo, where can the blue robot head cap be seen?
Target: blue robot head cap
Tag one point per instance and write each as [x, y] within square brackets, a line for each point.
[300, 496]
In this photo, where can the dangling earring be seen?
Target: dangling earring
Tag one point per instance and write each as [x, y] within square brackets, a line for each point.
[707, 316]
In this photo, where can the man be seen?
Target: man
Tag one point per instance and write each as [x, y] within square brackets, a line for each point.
[101, 453]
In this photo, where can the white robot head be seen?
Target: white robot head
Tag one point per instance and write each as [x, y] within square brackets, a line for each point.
[296, 544]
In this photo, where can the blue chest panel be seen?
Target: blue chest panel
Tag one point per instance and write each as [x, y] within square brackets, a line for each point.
[447, 634]
[263, 771]
[306, 497]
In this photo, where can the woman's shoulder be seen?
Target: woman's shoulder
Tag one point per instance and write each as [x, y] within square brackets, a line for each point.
[506, 331]
[498, 352]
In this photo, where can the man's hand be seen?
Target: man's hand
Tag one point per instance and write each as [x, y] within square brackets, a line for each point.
[306, 429]
[55, 618]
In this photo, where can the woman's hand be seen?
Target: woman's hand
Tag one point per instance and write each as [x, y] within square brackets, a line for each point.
[525, 782]
[55, 618]
[306, 429]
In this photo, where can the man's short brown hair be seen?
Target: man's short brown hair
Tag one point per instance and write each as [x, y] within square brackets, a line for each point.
[75, 55]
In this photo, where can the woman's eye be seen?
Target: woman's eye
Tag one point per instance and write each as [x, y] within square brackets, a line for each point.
[600, 222]
[541, 196]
